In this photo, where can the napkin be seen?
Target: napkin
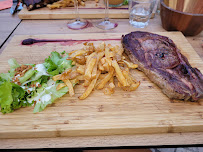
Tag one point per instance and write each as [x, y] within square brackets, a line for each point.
[5, 4]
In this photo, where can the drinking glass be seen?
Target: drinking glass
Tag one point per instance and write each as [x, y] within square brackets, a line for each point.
[105, 23]
[78, 23]
[140, 12]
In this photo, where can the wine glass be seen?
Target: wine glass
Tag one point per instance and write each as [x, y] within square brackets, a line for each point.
[105, 23]
[77, 23]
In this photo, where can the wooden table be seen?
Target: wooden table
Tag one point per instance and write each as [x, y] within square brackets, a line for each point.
[33, 27]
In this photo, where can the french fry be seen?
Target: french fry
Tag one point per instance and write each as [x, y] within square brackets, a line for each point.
[81, 69]
[111, 54]
[90, 87]
[74, 81]
[94, 71]
[60, 86]
[80, 59]
[72, 52]
[102, 76]
[106, 79]
[77, 53]
[90, 56]
[101, 47]
[100, 66]
[119, 85]
[89, 68]
[108, 91]
[134, 86]
[103, 60]
[107, 52]
[119, 74]
[86, 83]
[56, 77]
[127, 76]
[106, 66]
[70, 87]
[130, 65]
[80, 77]
[111, 83]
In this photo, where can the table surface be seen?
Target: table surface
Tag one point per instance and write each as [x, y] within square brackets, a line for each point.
[11, 26]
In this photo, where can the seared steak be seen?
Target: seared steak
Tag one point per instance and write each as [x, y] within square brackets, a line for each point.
[160, 59]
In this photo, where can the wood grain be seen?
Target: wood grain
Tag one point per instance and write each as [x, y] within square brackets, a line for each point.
[91, 10]
[174, 19]
[105, 141]
[122, 113]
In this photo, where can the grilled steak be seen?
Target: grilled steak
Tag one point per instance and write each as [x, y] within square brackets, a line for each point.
[160, 59]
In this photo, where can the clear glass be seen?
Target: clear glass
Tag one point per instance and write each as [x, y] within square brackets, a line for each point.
[140, 12]
[105, 23]
[78, 23]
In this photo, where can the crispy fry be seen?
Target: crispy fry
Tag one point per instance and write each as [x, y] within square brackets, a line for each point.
[111, 83]
[102, 76]
[107, 52]
[72, 52]
[119, 85]
[106, 78]
[90, 87]
[81, 69]
[101, 47]
[130, 65]
[86, 83]
[134, 86]
[70, 87]
[108, 91]
[119, 74]
[60, 86]
[56, 77]
[127, 76]
[90, 56]
[106, 66]
[89, 68]
[100, 66]
[74, 81]
[103, 60]
[80, 59]
[77, 53]
[80, 77]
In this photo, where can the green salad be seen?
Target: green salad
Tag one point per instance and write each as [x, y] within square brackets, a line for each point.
[32, 85]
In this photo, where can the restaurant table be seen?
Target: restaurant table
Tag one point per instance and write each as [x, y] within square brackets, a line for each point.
[11, 26]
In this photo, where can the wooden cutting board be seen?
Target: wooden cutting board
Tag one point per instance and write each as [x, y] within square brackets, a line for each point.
[146, 110]
[91, 10]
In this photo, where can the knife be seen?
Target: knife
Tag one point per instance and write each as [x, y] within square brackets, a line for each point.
[15, 7]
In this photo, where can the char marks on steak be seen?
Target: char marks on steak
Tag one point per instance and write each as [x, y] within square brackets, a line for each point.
[160, 59]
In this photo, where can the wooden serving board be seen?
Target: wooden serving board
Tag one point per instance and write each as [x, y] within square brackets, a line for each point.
[146, 110]
[91, 10]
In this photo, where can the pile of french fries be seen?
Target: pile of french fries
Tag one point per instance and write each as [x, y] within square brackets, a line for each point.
[67, 3]
[98, 68]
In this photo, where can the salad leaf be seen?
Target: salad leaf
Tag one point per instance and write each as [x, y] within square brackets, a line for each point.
[19, 94]
[5, 96]
[13, 65]
[48, 96]
[27, 75]
[56, 64]
[125, 2]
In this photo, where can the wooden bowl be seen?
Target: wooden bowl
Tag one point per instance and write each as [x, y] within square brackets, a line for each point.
[182, 15]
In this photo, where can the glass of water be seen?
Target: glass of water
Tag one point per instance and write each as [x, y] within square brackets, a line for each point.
[140, 12]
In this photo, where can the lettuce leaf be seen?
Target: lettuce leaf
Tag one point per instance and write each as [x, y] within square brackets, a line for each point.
[5, 96]
[46, 95]
[56, 64]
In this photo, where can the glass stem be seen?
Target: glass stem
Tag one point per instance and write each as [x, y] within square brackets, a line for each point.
[106, 10]
[77, 18]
